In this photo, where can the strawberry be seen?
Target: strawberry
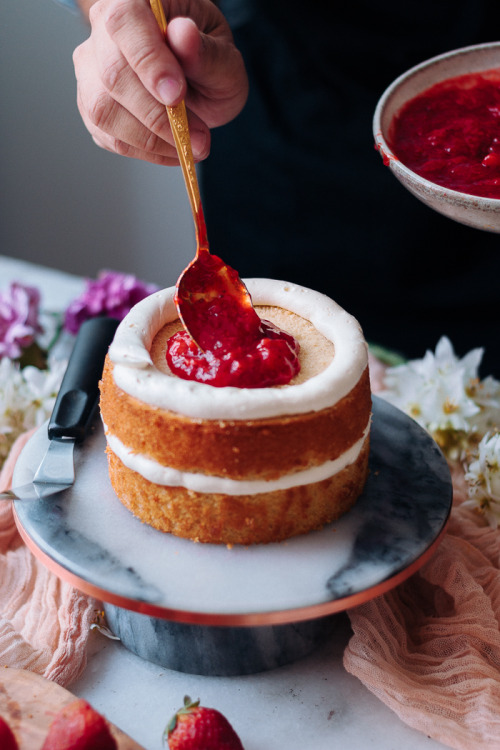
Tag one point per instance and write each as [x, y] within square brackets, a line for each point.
[79, 727]
[195, 727]
[7, 739]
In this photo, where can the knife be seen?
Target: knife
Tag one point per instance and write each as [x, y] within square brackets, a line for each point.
[73, 411]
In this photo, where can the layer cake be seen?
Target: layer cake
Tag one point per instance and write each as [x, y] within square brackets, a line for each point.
[239, 465]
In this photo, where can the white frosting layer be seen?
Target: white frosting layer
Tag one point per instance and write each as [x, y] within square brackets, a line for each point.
[163, 475]
[135, 373]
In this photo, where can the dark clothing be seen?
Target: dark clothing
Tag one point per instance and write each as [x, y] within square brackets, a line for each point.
[294, 189]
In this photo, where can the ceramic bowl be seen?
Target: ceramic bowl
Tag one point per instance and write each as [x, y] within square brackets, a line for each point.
[474, 211]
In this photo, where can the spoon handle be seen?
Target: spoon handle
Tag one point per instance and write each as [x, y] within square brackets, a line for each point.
[180, 129]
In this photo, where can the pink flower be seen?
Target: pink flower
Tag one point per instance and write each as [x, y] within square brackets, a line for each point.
[18, 319]
[112, 294]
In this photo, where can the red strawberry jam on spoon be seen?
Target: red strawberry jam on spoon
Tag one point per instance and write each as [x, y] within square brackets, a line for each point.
[212, 301]
[225, 343]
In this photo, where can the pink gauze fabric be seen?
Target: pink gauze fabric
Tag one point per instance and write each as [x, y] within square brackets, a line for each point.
[44, 622]
[430, 648]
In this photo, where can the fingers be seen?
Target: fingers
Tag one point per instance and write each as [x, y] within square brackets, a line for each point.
[127, 73]
[132, 27]
[120, 72]
[111, 125]
[115, 129]
[214, 68]
[119, 112]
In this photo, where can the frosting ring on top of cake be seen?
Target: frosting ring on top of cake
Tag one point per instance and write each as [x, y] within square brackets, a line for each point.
[135, 373]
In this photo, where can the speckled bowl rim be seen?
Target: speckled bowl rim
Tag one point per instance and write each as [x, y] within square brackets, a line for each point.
[440, 62]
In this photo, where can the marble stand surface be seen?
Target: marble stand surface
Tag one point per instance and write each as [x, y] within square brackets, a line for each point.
[88, 533]
[210, 609]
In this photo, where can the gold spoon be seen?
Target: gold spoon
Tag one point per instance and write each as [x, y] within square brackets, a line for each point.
[209, 293]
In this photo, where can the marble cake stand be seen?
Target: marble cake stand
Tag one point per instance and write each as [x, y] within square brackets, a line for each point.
[207, 609]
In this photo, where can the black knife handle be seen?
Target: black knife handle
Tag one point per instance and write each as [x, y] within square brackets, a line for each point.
[79, 392]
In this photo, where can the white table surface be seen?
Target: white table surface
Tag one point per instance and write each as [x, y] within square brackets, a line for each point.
[311, 704]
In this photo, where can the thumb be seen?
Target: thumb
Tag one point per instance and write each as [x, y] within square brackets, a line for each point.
[214, 70]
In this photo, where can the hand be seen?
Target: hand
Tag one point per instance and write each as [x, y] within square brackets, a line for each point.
[127, 72]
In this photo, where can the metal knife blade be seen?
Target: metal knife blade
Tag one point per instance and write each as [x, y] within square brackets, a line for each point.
[72, 413]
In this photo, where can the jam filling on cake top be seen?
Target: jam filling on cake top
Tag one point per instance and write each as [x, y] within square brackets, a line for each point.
[235, 347]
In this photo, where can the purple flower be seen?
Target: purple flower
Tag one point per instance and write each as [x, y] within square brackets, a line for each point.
[18, 319]
[112, 294]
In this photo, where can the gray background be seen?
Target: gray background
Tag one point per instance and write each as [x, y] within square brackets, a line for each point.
[65, 202]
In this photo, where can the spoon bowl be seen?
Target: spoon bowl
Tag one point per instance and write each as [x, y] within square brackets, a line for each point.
[214, 304]
[472, 210]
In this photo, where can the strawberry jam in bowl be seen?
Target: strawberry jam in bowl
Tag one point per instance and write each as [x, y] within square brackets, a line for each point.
[437, 127]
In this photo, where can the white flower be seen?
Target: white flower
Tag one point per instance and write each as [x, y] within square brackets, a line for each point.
[486, 393]
[446, 403]
[433, 390]
[27, 397]
[11, 407]
[483, 478]
[447, 361]
[444, 394]
[40, 390]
